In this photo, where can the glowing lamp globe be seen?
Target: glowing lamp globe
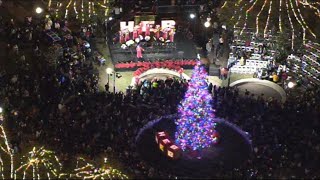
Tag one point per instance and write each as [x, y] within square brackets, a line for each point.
[207, 24]
[290, 85]
[39, 10]
[109, 70]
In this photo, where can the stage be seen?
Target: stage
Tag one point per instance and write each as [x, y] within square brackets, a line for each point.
[181, 48]
[232, 150]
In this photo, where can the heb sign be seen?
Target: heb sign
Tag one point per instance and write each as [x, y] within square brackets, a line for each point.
[144, 24]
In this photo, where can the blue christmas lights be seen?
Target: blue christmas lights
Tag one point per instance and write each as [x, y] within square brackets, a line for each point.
[196, 125]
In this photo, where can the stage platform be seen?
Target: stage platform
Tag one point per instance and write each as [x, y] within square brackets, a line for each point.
[181, 48]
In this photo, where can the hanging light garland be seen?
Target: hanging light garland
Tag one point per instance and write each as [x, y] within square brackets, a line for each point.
[292, 34]
[247, 14]
[37, 158]
[75, 9]
[224, 4]
[302, 19]
[257, 19]
[268, 18]
[67, 9]
[240, 16]
[312, 6]
[236, 9]
[290, 8]
[86, 170]
[7, 149]
[280, 14]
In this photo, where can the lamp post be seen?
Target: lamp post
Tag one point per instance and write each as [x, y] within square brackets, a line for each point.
[207, 24]
[111, 72]
[39, 10]
[193, 18]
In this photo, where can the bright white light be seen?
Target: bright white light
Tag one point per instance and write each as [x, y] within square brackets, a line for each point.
[224, 27]
[109, 70]
[39, 10]
[290, 85]
[1, 110]
[192, 16]
[110, 18]
[207, 24]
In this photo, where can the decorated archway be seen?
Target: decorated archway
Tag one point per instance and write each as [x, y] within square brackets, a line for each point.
[156, 72]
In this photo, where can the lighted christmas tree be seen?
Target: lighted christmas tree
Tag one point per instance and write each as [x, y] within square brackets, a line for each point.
[196, 125]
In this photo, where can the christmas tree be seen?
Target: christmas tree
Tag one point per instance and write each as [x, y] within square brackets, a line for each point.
[196, 125]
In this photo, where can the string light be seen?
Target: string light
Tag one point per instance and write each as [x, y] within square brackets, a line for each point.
[257, 19]
[7, 149]
[89, 9]
[49, 4]
[303, 21]
[295, 15]
[67, 7]
[93, 9]
[312, 6]
[240, 16]
[43, 158]
[268, 18]
[247, 14]
[236, 9]
[1, 167]
[290, 8]
[82, 12]
[75, 9]
[292, 36]
[224, 4]
[86, 170]
[280, 13]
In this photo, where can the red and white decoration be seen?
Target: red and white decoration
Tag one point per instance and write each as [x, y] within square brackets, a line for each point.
[146, 30]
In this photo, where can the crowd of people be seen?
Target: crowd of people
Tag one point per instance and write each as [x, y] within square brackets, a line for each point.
[62, 109]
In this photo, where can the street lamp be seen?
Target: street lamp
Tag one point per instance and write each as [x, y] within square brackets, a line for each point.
[290, 85]
[39, 10]
[207, 24]
[1, 110]
[109, 72]
[192, 16]
[115, 75]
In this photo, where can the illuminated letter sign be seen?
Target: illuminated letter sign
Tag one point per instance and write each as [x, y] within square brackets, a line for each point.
[167, 24]
[144, 25]
[161, 147]
[170, 154]
[123, 25]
